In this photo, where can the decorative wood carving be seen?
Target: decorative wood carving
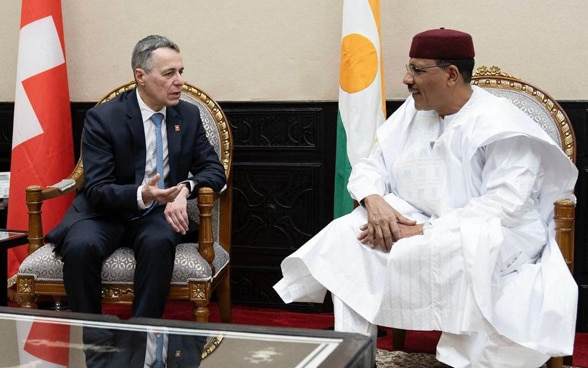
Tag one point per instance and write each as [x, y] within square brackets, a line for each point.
[283, 167]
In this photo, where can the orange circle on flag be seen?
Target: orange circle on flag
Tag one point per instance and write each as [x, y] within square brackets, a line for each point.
[359, 63]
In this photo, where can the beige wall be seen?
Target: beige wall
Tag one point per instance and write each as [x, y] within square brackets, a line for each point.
[263, 50]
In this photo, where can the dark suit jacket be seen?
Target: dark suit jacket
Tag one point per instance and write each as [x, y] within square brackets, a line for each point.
[113, 154]
[127, 349]
[182, 351]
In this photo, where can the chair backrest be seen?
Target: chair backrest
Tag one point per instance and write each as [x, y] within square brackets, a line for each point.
[219, 134]
[543, 109]
[546, 112]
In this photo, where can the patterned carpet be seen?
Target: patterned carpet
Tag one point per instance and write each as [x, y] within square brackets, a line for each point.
[394, 359]
[399, 359]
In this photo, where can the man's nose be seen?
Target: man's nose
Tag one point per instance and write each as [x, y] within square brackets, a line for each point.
[408, 79]
[179, 79]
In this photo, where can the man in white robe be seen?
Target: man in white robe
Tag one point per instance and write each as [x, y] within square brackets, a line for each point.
[455, 230]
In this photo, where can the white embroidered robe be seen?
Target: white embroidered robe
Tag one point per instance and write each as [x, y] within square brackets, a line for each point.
[486, 178]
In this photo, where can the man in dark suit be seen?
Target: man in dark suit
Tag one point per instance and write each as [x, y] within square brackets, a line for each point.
[137, 348]
[123, 201]
[180, 351]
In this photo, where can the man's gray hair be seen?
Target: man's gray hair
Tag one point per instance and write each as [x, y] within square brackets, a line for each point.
[144, 48]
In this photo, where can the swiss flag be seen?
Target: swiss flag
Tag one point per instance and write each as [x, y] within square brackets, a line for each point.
[42, 143]
[43, 344]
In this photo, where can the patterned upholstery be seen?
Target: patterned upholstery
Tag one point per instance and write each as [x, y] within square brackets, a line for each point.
[543, 109]
[537, 111]
[119, 268]
[45, 265]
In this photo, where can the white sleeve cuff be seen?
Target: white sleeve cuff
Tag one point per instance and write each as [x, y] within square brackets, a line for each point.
[140, 202]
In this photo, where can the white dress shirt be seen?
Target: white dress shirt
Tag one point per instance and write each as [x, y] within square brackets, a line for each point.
[150, 158]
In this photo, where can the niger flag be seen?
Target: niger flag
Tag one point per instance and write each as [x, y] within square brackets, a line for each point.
[42, 144]
[362, 106]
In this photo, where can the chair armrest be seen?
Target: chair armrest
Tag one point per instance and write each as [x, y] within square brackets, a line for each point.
[206, 198]
[36, 195]
[563, 216]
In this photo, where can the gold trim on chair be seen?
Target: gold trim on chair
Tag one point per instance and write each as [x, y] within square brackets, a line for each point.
[211, 344]
[494, 77]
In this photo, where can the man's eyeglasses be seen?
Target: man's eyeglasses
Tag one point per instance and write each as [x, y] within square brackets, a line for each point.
[415, 70]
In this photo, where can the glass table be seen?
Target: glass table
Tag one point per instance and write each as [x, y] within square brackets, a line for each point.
[30, 337]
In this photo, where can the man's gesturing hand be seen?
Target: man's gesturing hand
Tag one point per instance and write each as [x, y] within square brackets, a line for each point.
[151, 192]
[176, 213]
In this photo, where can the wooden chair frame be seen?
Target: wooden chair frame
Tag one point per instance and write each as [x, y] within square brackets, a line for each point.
[197, 292]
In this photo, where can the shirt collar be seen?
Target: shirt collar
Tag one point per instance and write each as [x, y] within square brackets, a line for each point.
[146, 111]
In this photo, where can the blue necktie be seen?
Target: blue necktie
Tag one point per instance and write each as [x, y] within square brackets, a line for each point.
[158, 119]
[158, 352]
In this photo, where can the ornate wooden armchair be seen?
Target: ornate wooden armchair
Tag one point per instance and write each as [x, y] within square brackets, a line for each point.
[546, 112]
[199, 267]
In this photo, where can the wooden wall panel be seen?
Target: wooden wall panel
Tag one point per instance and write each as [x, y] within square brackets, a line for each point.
[283, 188]
[578, 114]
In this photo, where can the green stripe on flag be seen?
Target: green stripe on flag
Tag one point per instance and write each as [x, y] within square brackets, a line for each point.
[343, 202]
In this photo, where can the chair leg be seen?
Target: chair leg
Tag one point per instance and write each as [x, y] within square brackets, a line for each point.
[398, 337]
[60, 303]
[25, 296]
[555, 362]
[27, 301]
[200, 297]
[200, 311]
[223, 295]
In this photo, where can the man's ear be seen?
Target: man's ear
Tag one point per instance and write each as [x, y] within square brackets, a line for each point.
[140, 76]
[453, 75]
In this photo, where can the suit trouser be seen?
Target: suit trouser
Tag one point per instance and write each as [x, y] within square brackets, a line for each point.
[89, 242]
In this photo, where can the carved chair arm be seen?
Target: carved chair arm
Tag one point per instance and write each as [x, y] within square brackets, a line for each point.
[36, 195]
[206, 199]
[564, 214]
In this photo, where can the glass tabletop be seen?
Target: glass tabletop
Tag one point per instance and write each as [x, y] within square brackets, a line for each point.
[11, 234]
[32, 337]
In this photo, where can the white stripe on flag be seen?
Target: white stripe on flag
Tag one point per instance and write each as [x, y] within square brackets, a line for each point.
[361, 111]
[23, 327]
[39, 50]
